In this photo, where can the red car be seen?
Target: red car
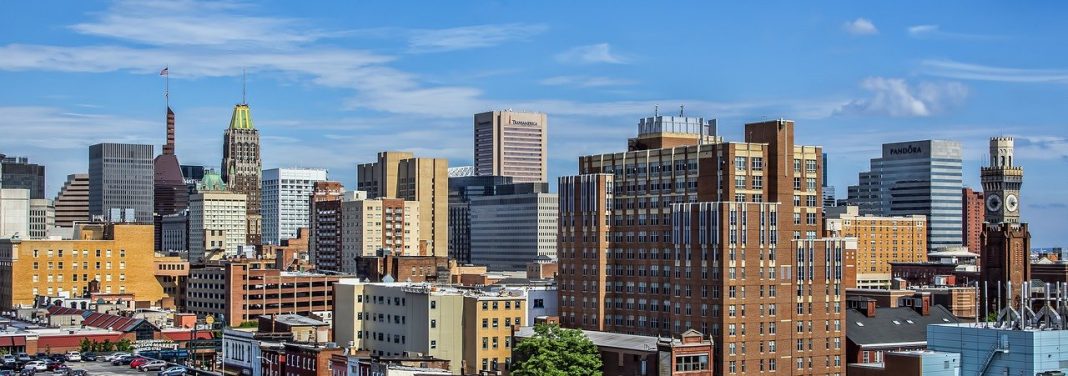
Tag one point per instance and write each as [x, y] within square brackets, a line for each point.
[137, 362]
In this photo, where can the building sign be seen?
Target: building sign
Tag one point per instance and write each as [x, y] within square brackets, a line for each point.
[905, 150]
[527, 123]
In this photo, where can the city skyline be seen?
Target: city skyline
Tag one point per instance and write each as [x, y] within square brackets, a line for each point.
[331, 89]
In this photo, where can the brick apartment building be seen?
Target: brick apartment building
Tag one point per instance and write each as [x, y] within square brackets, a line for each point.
[685, 231]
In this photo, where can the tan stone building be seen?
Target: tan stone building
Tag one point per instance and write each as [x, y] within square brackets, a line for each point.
[389, 225]
[880, 241]
[217, 220]
[426, 180]
[512, 143]
[120, 257]
[488, 323]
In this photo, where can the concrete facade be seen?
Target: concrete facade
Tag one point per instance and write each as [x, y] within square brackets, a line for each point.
[426, 180]
[511, 143]
[374, 227]
[216, 211]
[285, 201]
[72, 202]
[42, 218]
[122, 182]
[15, 213]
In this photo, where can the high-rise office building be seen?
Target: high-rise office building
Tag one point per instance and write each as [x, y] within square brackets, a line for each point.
[242, 167]
[285, 201]
[42, 217]
[216, 220]
[916, 177]
[511, 143]
[973, 216]
[513, 227]
[171, 192]
[72, 202]
[687, 231]
[18, 172]
[324, 244]
[462, 189]
[402, 175]
[14, 213]
[121, 182]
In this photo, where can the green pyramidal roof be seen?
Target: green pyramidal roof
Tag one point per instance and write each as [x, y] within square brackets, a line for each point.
[211, 182]
[242, 118]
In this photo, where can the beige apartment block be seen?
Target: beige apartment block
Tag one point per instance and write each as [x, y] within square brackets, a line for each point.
[401, 175]
[388, 225]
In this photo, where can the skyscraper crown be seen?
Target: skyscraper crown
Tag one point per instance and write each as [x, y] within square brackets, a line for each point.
[242, 118]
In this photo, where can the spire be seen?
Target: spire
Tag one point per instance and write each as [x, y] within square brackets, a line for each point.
[244, 87]
[168, 148]
[242, 118]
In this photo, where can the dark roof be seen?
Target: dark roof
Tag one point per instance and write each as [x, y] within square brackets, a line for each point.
[113, 322]
[893, 325]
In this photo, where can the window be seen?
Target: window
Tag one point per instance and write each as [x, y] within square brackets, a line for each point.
[691, 363]
[539, 303]
[758, 182]
[739, 163]
[433, 323]
[758, 163]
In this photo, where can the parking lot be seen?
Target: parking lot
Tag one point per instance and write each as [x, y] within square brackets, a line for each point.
[105, 368]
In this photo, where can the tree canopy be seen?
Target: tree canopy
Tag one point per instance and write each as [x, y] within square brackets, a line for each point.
[555, 351]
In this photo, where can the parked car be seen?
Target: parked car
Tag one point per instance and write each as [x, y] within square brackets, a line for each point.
[42, 356]
[152, 365]
[7, 373]
[10, 361]
[114, 356]
[123, 360]
[74, 356]
[79, 372]
[137, 362]
[173, 371]
[88, 357]
[61, 358]
[23, 357]
[60, 368]
[35, 365]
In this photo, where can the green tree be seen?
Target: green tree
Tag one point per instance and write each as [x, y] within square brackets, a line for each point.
[107, 346]
[85, 345]
[124, 345]
[555, 351]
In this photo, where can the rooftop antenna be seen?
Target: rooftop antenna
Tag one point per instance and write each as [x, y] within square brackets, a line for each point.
[682, 110]
[656, 110]
[244, 90]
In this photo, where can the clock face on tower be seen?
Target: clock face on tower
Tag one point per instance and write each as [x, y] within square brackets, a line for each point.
[1011, 203]
[993, 203]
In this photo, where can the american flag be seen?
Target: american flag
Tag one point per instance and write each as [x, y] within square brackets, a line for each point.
[164, 72]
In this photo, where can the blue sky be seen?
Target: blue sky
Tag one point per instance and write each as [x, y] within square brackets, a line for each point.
[333, 84]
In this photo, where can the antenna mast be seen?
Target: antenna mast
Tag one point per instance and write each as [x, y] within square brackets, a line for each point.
[244, 85]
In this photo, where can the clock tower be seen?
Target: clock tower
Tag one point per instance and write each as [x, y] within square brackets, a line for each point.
[1001, 181]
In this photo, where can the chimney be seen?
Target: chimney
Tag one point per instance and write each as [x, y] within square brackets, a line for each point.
[869, 309]
[923, 305]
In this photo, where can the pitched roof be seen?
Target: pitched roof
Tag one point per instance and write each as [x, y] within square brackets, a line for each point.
[893, 325]
[113, 322]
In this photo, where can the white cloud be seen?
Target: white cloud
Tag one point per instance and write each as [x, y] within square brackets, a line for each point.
[467, 37]
[591, 54]
[1041, 147]
[967, 71]
[860, 26]
[186, 22]
[936, 32]
[585, 81]
[895, 97]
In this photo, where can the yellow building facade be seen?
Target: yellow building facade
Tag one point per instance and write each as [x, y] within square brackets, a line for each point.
[880, 241]
[488, 323]
[120, 257]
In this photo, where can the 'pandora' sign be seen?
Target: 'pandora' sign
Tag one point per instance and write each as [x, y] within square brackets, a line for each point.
[910, 149]
[527, 123]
